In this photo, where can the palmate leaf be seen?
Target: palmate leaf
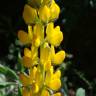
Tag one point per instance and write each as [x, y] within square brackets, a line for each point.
[8, 72]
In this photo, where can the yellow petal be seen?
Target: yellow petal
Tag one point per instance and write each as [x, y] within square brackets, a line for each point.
[30, 33]
[35, 88]
[38, 34]
[27, 52]
[34, 54]
[25, 92]
[29, 14]
[57, 94]
[59, 57]
[49, 73]
[44, 14]
[49, 28]
[45, 57]
[39, 77]
[55, 84]
[32, 74]
[47, 65]
[58, 36]
[45, 93]
[57, 74]
[27, 62]
[37, 42]
[23, 37]
[55, 10]
[40, 31]
[55, 36]
[24, 79]
[52, 52]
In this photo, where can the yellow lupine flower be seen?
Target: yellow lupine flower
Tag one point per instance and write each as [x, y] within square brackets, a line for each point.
[26, 92]
[53, 82]
[38, 35]
[23, 37]
[27, 87]
[57, 94]
[42, 77]
[35, 78]
[30, 32]
[49, 73]
[57, 58]
[30, 57]
[29, 91]
[55, 10]
[24, 79]
[29, 14]
[35, 36]
[45, 58]
[32, 73]
[27, 52]
[54, 35]
[45, 93]
[39, 77]
[50, 28]
[44, 13]
[57, 74]
[32, 82]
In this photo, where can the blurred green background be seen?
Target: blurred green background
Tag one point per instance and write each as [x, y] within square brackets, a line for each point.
[78, 23]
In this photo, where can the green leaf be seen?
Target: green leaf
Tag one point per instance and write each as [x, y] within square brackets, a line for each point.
[6, 84]
[8, 72]
[19, 91]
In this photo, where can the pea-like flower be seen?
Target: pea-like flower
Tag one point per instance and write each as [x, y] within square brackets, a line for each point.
[29, 14]
[30, 57]
[23, 37]
[54, 35]
[45, 58]
[35, 81]
[40, 57]
[34, 36]
[32, 82]
[57, 58]
[38, 35]
[53, 82]
[44, 14]
[55, 10]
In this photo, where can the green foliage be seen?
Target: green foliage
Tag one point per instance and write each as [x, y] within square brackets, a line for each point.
[9, 82]
[8, 72]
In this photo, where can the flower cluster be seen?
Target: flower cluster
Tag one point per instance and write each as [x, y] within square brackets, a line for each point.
[40, 56]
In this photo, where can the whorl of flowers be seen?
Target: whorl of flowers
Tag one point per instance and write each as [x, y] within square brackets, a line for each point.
[40, 56]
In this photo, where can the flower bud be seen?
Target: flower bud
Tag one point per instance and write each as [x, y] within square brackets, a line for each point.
[54, 35]
[55, 10]
[29, 14]
[44, 14]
